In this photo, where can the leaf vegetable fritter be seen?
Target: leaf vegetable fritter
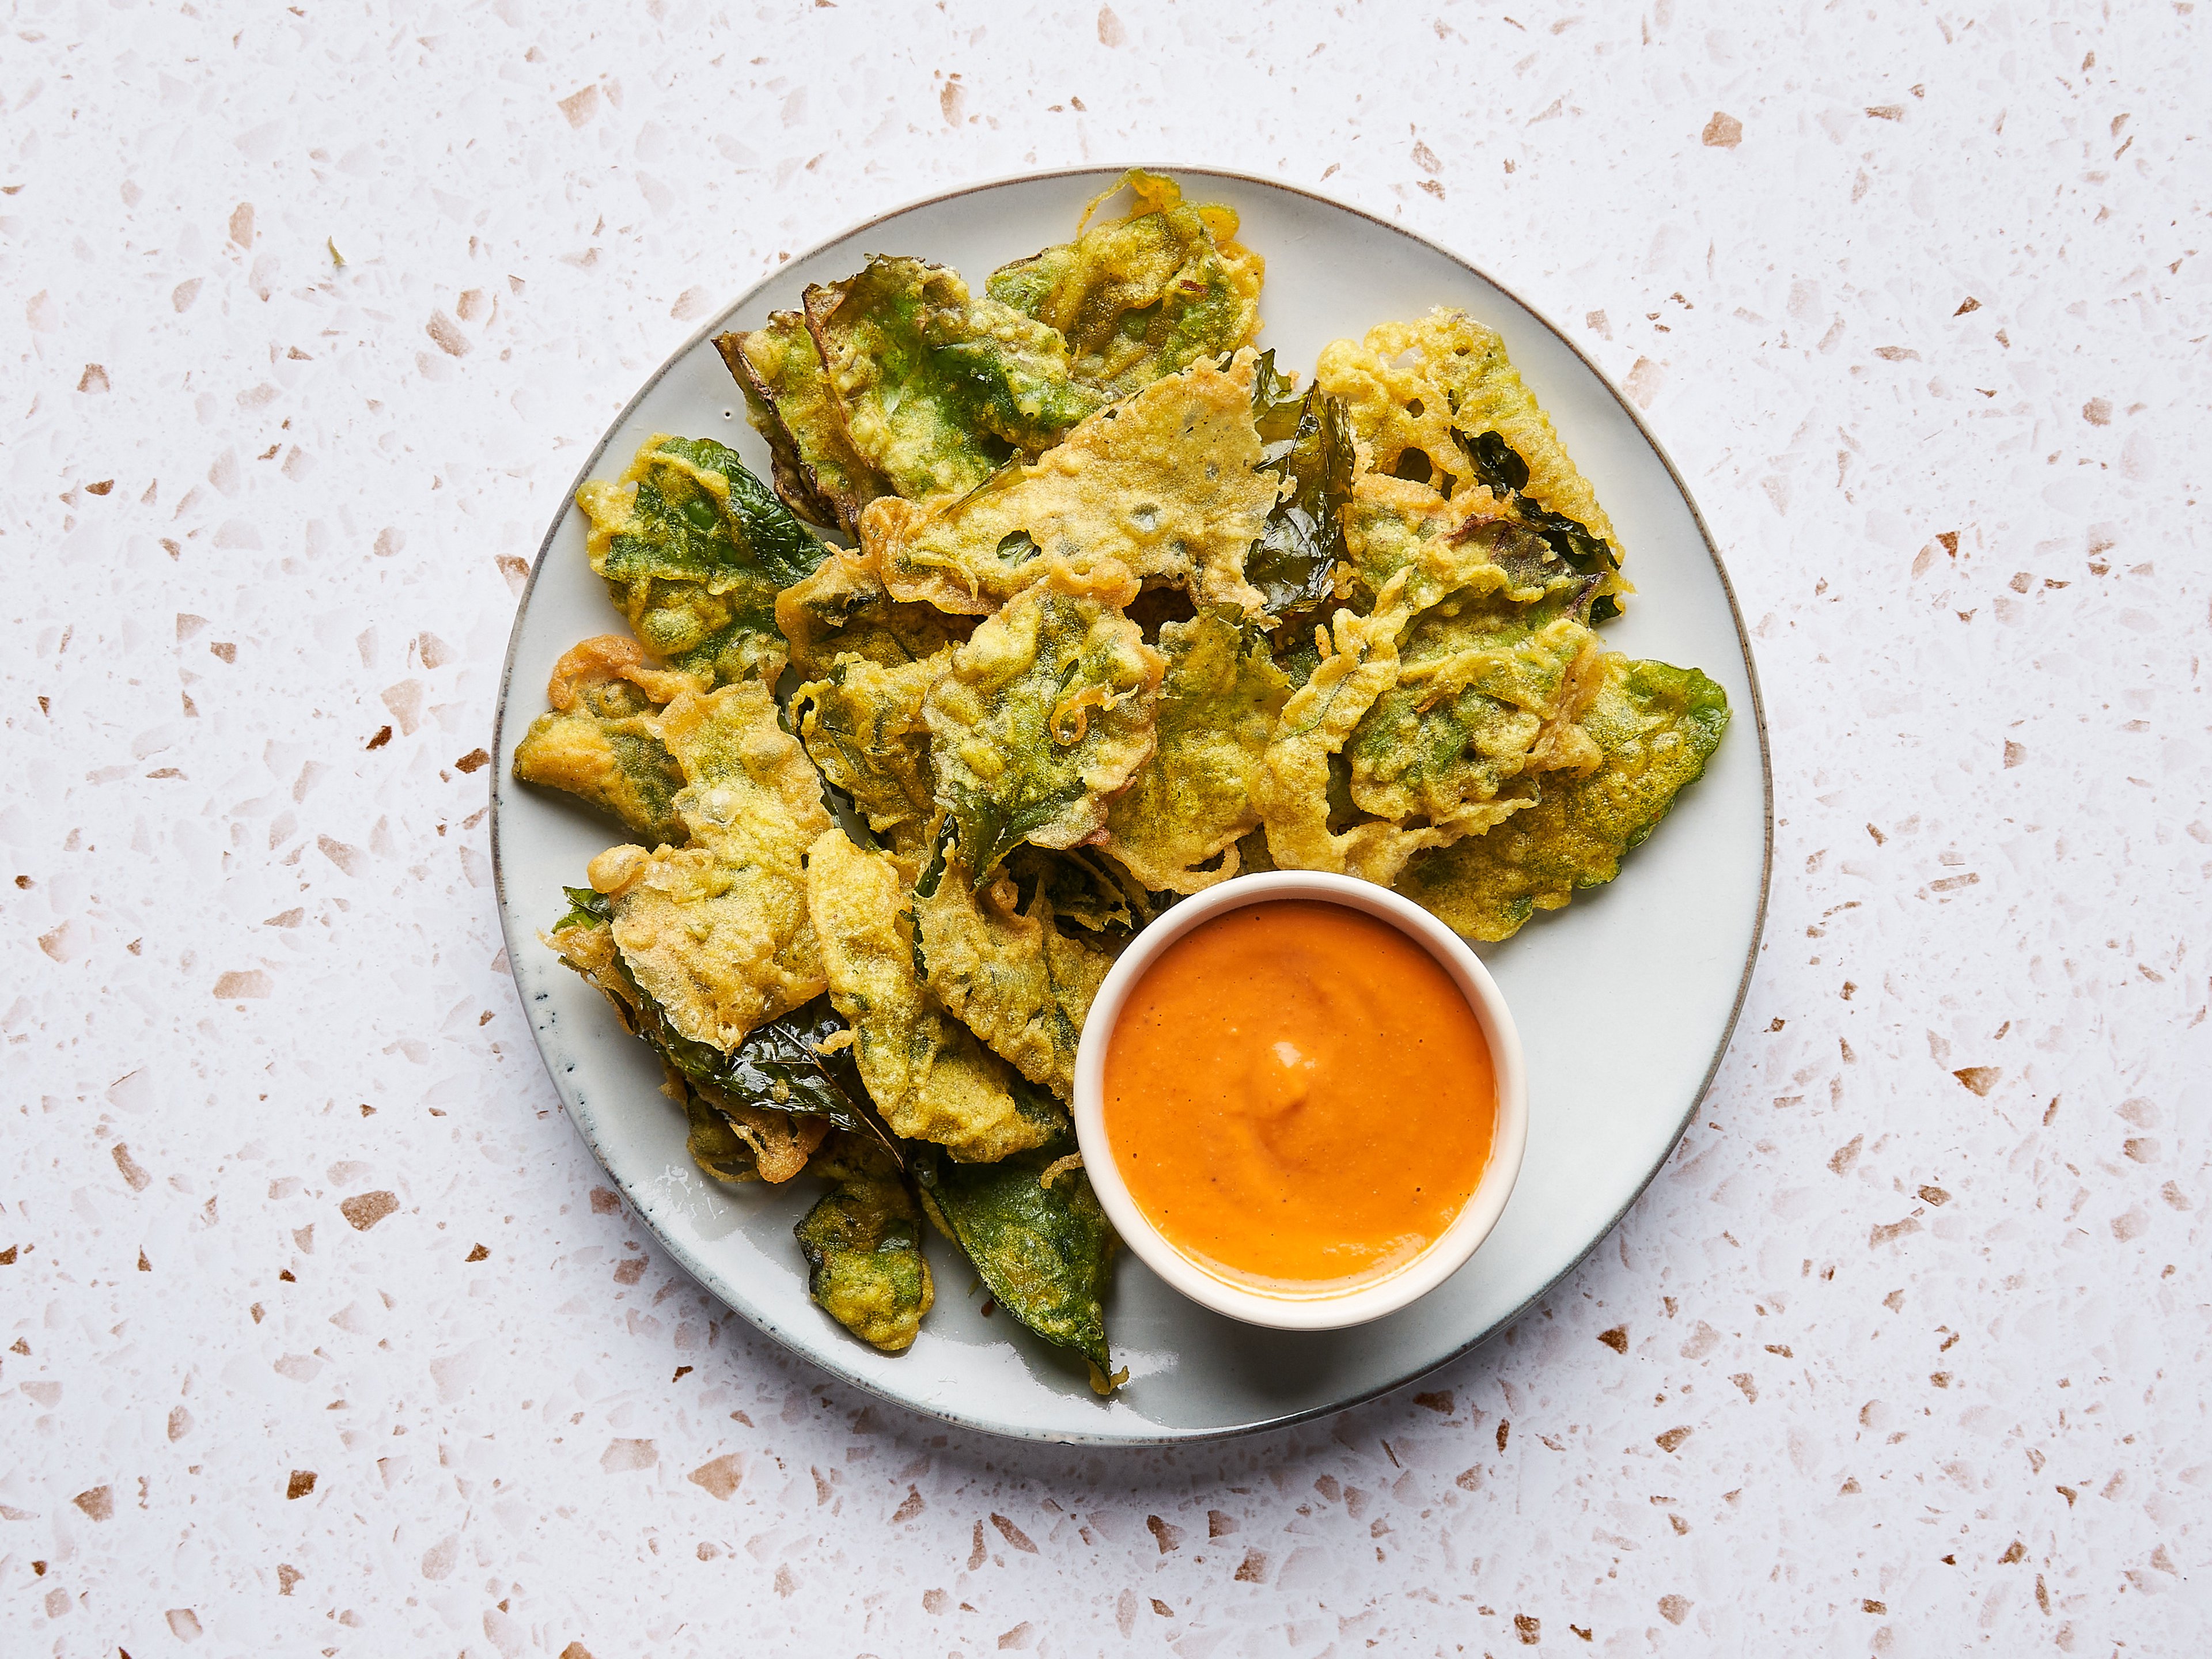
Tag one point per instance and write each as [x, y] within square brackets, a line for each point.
[716, 930]
[735, 1097]
[1166, 485]
[789, 402]
[939, 389]
[600, 741]
[1655, 727]
[1042, 716]
[1132, 611]
[930, 1076]
[862, 1241]
[1144, 296]
[1437, 403]
[993, 956]
[1192, 798]
[695, 548]
[1038, 1239]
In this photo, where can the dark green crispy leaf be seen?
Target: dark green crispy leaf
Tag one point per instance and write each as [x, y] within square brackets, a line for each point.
[862, 1243]
[778, 1067]
[1042, 1249]
[1045, 713]
[1307, 440]
[695, 548]
[1498, 465]
[1656, 727]
[587, 908]
[818, 472]
[1144, 296]
[938, 389]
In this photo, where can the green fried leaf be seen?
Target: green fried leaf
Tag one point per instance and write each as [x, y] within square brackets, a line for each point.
[862, 1243]
[1655, 727]
[1043, 1249]
[939, 389]
[1144, 296]
[694, 549]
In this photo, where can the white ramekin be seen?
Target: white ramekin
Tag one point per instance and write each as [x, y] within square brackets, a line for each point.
[1364, 1299]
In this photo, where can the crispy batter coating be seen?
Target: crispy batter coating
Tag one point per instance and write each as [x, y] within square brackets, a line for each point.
[862, 725]
[1466, 544]
[1295, 780]
[693, 549]
[1166, 485]
[928, 1075]
[1195, 798]
[1438, 402]
[756, 1112]
[938, 388]
[788, 401]
[862, 1243]
[1037, 1237]
[1013, 977]
[1044, 716]
[842, 609]
[1654, 727]
[601, 740]
[735, 1142]
[717, 931]
[1085, 889]
[1487, 691]
[1143, 295]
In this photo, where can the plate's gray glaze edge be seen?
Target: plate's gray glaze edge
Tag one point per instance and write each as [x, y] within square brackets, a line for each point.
[556, 1064]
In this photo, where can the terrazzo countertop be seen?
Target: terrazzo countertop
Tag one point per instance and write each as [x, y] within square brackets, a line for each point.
[322, 1332]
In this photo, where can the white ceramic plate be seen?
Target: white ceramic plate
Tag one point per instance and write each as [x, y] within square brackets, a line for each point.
[1624, 1000]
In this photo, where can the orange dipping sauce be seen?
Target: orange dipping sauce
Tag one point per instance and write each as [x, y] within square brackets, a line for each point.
[1296, 1092]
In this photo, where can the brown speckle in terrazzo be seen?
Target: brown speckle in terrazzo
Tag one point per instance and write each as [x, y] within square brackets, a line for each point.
[364, 1210]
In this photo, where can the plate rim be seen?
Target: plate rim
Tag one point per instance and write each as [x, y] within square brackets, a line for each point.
[683, 1257]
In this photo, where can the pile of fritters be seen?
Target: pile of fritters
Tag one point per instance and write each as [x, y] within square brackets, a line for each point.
[1126, 613]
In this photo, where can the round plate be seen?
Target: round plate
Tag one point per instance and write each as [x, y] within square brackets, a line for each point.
[1624, 1000]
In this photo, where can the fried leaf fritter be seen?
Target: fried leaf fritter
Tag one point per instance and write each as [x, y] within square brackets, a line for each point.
[693, 549]
[735, 1141]
[756, 1111]
[930, 1078]
[1143, 295]
[1164, 485]
[1014, 979]
[788, 401]
[938, 389]
[1307, 442]
[1437, 403]
[1042, 716]
[1655, 726]
[1044, 1250]
[1487, 691]
[842, 609]
[1193, 798]
[601, 741]
[1463, 546]
[1085, 889]
[862, 725]
[716, 932]
[862, 1243]
[1302, 769]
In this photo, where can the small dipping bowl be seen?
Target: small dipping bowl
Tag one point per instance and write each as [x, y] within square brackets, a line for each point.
[1325, 1305]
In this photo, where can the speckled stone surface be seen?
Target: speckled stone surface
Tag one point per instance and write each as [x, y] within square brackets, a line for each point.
[318, 1330]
